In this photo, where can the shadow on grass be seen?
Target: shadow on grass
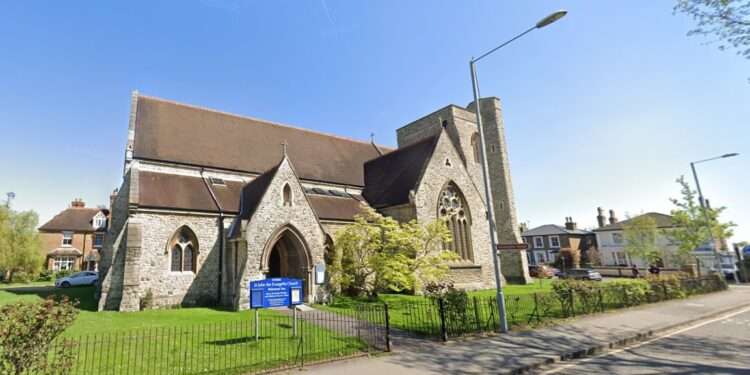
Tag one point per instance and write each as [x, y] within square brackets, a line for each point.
[84, 294]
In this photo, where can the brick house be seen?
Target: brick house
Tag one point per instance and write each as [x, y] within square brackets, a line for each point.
[210, 200]
[73, 238]
[545, 242]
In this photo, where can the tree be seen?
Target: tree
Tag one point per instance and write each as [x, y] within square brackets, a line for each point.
[20, 246]
[640, 239]
[727, 20]
[690, 224]
[377, 253]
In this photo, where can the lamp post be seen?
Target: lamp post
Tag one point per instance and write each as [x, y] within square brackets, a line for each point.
[702, 201]
[487, 190]
[10, 196]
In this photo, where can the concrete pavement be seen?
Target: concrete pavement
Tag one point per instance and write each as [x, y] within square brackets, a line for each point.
[524, 351]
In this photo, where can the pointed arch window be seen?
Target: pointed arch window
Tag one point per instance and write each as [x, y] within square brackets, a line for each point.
[452, 208]
[183, 251]
[475, 146]
[287, 195]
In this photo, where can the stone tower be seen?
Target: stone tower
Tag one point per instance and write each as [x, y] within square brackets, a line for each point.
[460, 124]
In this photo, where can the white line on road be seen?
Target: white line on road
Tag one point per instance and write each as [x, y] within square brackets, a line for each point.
[694, 326]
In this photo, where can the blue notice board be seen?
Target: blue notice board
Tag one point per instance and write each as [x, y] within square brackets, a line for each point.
[275, 292]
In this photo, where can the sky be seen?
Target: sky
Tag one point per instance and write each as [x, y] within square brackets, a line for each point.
[606, 107]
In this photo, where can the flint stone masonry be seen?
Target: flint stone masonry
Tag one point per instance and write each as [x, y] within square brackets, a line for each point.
[435, 178]
[135, 260]
[271, 217]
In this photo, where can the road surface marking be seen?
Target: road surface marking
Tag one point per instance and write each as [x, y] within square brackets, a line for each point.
[637, 345]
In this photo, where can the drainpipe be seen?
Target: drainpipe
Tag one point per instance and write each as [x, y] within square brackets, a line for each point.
[221, 236]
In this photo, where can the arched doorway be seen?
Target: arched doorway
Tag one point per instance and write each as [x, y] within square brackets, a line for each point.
[287, 256]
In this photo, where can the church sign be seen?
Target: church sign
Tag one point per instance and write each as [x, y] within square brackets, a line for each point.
[275, 292]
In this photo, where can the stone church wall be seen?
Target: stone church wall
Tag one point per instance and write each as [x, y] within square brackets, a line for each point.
[271, 215]
[469, 274]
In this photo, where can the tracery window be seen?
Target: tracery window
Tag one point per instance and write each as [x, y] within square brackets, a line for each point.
[453, 209]
[183, 248]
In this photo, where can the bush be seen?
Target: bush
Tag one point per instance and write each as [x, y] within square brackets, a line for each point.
[664, 287]
[45, 276]
[21, 277]
[631, 292]
[26, 334]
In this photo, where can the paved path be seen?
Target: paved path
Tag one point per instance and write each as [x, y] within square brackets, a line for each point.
[510, 352]
[717, 346]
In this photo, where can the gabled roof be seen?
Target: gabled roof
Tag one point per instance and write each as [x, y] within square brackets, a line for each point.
[76, 219]
[170, 191]
[174, 132]
[552, 229]
[662, 221]
[389, 178]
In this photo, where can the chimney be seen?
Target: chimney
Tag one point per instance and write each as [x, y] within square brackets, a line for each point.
[77, 203]
[570, 224]
[600, 219]
[612, 217]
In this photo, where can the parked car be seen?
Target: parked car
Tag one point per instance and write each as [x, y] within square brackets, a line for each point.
[581, 274]
[78, 278]
[541, 271]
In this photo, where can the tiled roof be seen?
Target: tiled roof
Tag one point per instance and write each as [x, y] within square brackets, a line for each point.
[174, 132]
[389, 178]
[552, 229]
[76, 219]
[170, 191]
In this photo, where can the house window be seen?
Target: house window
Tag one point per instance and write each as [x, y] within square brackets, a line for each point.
[63, 263]
[67, 239]
[452, 208]
[98, 240]
[100, 221]
[287, 192]
[475, 147]
[554, 241]
[617, 238]
[183, 250]
[538, 242]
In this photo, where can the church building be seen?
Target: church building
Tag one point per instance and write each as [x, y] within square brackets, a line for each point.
[210, 201]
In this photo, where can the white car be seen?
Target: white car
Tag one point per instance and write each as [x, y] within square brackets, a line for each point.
[78, 278]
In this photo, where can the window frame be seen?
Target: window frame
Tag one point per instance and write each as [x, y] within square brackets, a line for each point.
[182, 239]
[68, 260]
[618, 238]
[536, 245]
[551, 244]
[67, 238]
[93, 241]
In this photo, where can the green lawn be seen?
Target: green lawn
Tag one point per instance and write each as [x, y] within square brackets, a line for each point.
[186, 339]
[4, 285]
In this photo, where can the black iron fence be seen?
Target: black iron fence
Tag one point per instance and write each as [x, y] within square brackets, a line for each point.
[443, 319]
[276, 340]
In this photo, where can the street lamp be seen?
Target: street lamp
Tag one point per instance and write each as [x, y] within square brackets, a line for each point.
[702, 200]
[10, 196]
[487, 190]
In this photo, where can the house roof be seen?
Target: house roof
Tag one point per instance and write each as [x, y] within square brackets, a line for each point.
[389, 178]
[174, 132]
[76, 219]
[336, 208]
[170, 191]
[662, 221]
[63, 251]
[552, 229]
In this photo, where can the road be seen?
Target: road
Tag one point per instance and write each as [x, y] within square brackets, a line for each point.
[716, 346]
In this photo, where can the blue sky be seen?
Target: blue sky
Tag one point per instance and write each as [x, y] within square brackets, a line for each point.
[604, 108]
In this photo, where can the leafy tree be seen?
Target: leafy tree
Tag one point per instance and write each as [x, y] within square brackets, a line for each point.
[20, 246]
[640, 234]
[378, 253]
[690, 224]
[727, 20]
